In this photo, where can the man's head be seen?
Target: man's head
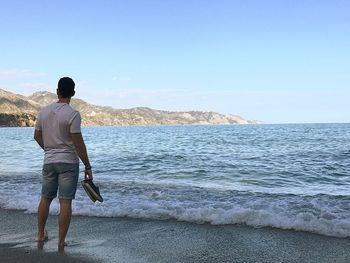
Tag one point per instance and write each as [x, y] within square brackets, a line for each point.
[65, 88]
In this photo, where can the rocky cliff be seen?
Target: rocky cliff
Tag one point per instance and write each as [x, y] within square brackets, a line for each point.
[18, 110]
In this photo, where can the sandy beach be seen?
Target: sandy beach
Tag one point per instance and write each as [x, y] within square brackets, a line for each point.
[97, 239]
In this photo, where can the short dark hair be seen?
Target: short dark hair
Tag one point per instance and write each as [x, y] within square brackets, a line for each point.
[66, 87]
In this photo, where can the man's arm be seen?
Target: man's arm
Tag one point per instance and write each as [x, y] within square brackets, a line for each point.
[38, 136]
[80, 148]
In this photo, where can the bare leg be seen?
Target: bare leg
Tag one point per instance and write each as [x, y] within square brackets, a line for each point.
[43, 213]
[64, 221]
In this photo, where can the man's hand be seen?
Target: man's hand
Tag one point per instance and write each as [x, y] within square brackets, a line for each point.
[88, 174]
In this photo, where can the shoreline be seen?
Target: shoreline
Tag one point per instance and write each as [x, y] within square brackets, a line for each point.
[163, 125]
[98, 239]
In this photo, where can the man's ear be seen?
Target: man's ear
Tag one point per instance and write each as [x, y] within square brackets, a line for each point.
[57, 92]
[73, 93]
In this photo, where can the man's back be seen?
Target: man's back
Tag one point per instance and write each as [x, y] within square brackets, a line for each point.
[57, 121]
[57, 131]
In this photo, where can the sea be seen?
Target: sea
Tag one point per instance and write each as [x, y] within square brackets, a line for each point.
[289, 176]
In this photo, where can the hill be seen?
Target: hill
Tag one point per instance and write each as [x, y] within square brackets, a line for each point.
[18, 110]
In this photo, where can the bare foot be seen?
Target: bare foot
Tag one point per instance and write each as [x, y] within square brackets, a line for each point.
[61, 247]
[42, 237]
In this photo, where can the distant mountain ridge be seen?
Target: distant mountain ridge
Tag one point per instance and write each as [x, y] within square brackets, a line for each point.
[18, 110]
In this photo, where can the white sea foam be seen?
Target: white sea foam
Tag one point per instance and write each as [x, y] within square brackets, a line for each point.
[322, 214]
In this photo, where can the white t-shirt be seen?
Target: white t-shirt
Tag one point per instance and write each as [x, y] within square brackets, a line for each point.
[57, 121]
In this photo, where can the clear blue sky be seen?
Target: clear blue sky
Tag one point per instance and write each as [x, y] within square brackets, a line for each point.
[277, 61]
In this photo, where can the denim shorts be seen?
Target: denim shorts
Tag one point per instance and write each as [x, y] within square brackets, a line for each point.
[62, 177]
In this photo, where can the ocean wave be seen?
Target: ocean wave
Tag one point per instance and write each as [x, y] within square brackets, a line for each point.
[323, 214]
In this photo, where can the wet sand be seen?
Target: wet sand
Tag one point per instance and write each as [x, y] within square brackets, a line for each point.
[96, 239]
[34, 256]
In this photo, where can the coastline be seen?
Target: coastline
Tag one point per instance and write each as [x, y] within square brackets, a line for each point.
[98, 239]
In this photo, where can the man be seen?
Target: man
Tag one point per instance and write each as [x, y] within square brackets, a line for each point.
[58, 132]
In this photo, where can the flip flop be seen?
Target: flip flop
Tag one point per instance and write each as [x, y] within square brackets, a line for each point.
[92, 190]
